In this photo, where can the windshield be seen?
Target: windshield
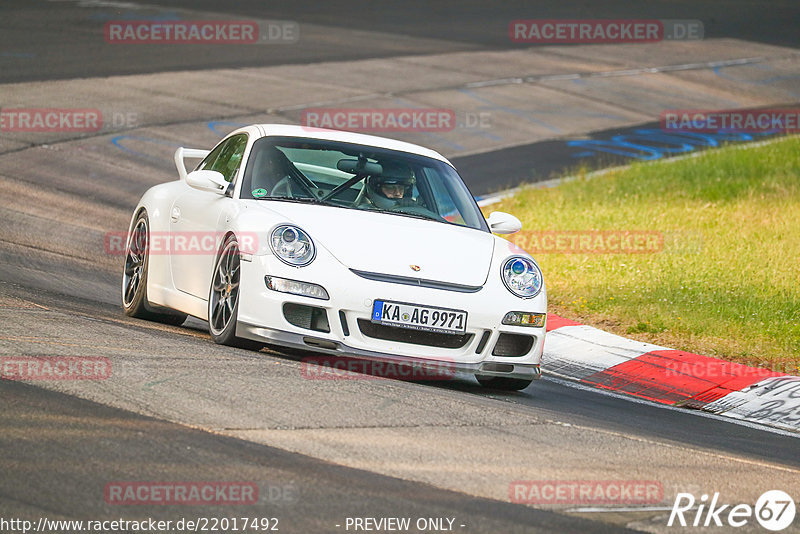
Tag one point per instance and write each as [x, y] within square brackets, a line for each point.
[358, 177]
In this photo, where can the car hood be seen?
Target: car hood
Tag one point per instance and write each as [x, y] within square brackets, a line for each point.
[393, 244]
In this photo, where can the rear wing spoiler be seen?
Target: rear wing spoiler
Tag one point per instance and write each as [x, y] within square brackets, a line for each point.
[182, 153]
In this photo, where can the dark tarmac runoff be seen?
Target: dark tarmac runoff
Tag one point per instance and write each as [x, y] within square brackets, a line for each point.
[42, 40]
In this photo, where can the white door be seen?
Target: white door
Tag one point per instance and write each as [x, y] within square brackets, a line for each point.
[196, 225]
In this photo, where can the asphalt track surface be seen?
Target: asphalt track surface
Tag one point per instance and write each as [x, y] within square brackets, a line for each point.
[66, 47]
[59, 450]
[304, 494]
[499, 170]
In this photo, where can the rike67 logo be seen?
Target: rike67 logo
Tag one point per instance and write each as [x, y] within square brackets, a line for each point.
[774, 510]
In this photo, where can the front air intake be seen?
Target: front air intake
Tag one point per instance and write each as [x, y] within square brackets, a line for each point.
[513, 345]
[308, 317]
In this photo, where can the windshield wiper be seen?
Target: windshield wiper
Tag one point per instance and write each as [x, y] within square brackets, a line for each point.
[406, 214]
[289, 199]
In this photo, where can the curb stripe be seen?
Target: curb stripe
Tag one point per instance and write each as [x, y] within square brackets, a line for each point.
[554, 322]
[606, 361]
[674, 376]
[647, 377]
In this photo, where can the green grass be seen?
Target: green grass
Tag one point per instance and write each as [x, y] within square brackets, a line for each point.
[727, 281]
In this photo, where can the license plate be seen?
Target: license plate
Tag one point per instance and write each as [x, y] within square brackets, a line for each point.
[416, 317]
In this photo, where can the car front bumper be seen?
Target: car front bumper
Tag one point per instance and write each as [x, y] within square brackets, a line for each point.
[312, 343]
[262, 318]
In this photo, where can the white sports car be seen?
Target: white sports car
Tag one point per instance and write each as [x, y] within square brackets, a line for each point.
[340, 243]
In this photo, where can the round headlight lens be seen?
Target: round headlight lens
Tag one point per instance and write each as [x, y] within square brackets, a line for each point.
[289, 235]
[522, 277]
[292, 245]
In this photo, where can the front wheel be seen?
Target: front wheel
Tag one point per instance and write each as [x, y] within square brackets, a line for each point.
[503, 383]
[134, 277]
[223, 300]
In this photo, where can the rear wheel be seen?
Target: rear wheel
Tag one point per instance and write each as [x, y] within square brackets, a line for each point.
[223, 300]
[134, 277]
[504, 383]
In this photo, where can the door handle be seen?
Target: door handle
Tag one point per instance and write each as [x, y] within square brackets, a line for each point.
[176, 214]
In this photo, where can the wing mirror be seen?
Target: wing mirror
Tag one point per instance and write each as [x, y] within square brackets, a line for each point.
[503, 223]
[211, 181]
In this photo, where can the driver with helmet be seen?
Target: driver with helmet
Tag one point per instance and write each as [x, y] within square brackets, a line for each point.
[393, 188]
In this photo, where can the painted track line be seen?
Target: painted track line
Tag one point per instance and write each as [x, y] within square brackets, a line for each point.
[615, 73]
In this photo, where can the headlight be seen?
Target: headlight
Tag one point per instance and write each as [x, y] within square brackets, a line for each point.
[522, 277]
[292, 245]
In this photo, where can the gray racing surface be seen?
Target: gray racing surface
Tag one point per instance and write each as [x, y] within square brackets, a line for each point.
[80, 447]
[68, 45]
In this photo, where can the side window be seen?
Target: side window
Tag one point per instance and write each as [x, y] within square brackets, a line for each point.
[227, 157]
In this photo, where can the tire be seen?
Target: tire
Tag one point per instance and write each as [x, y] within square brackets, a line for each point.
[223, 298]
[134, 277]
[503, 383]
